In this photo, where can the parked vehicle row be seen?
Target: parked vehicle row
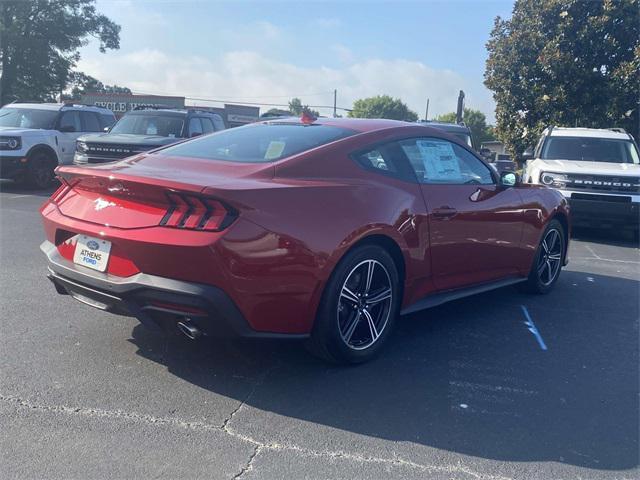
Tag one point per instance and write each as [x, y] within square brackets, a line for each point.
[36, 138]
[325, 230]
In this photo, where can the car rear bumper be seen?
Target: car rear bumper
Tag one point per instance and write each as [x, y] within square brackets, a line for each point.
[603, 209]
[157, 302]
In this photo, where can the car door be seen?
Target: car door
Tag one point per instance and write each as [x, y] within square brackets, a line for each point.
[475, 225]
[69, 128]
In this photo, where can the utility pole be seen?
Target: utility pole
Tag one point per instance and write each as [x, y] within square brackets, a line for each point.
[426, 112]
[335, 102]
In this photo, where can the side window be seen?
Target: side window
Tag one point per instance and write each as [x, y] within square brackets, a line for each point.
[218, 123]
[90, 122]
[207, 125]
[440, 161]
[376, 160]
[70, 121]
[195, 127]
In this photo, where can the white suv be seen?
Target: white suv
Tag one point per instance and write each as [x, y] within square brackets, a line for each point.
[598, 171]
[37, 137]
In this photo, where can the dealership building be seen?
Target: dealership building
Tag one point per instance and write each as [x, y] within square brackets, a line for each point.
[121, 103]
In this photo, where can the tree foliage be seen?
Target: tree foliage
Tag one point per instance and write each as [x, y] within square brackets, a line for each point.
[382, 106]
[564, 62]
[39, 42]
[296, 108]
[81, 83]
[475, 120]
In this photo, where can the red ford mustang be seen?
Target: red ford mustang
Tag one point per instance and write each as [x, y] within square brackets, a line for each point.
[325, 230]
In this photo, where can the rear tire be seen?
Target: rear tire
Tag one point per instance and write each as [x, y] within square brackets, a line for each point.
[40, 167]
[359, 307]
[547, 264]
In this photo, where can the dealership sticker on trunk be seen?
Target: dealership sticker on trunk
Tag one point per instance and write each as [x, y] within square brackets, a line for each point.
[92, 252]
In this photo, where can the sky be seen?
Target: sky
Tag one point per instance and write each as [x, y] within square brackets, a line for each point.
[269, 52]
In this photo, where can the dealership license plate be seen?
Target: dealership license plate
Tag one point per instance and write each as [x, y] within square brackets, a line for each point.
[92, 252]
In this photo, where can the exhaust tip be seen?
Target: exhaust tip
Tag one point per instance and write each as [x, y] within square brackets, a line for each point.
[189, 329]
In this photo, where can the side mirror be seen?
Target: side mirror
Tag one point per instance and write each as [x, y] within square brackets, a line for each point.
[527, 154]
[68, 129]
[106, 129]
[509, 179]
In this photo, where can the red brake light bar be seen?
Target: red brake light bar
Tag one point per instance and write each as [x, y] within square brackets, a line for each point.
[194, 212]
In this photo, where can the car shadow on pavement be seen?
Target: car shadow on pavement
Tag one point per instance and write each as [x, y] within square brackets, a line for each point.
[467, 377]
[14, 188]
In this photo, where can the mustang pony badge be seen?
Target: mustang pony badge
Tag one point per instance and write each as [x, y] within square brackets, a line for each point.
[101, 204]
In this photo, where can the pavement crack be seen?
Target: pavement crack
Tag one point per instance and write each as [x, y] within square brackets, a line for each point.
[249, 466]
[258, 383]
[259, 446]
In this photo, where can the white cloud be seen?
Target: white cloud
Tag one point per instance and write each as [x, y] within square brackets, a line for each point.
[250, 76]
[343, 53]
[268, 29]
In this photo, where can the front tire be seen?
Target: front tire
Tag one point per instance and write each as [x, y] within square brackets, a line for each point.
[547, 264]
[359, 307]
[40, 169]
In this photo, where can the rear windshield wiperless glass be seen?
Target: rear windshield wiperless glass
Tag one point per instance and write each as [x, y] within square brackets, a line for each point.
[590, 149]
[152, 124]
[258, 143]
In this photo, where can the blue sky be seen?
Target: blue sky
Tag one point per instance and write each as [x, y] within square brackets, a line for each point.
[264, 51]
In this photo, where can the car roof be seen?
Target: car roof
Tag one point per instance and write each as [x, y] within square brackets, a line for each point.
[588, 133]
[60, 107]
[357, 124]
[447, 127]
[165, 111]
[36, 106]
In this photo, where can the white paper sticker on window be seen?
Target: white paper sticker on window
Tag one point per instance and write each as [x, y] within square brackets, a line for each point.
[440, 160]
[274, 150]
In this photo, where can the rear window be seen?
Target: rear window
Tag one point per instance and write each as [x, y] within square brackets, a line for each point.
[258, 143]
[150, 124]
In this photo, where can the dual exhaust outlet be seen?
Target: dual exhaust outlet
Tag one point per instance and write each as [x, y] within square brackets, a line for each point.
[188, 329]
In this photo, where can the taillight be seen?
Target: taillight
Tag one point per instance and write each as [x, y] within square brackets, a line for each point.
[194, 212]
[60, 193]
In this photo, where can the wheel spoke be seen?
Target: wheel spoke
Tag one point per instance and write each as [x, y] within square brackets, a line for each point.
[541, 268]
[352, 327]
[554, 256]
[549, 271]
[349, 295]
[372, 326]
[371, 265]
[379, 297]
[545, 247]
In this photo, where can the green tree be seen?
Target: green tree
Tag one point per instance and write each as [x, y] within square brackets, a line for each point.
[475, 120]
[276, 112]
[81, 83]
[39, 42]
[382, 106]
[296, 108]
[564, 62]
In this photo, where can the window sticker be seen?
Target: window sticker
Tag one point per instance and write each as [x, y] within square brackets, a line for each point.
[274, 150]
[440, 161]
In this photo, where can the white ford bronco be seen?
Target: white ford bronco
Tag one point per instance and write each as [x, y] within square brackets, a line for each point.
[37, 137]
[597, 170]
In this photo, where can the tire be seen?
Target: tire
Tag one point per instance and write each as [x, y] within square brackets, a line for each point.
[40, 169]
[547, 264]
[354, 321]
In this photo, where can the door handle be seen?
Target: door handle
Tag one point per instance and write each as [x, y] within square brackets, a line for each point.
[444, 213]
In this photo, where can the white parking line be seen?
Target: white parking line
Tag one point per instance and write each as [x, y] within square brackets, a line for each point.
[532, 328]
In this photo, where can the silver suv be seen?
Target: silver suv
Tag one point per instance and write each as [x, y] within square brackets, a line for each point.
[597, 170]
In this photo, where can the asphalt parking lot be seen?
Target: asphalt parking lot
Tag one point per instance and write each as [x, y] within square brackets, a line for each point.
[463, 391]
